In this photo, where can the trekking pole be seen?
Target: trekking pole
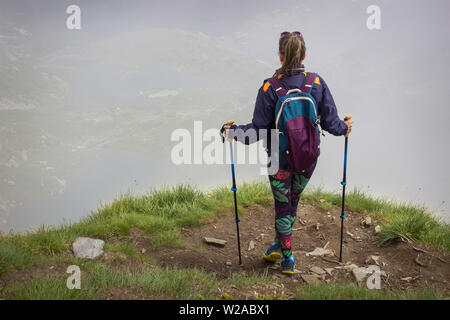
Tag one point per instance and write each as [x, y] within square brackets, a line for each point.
[234, 189]
[344, 183]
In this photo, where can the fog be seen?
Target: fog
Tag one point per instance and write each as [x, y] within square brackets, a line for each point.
[88, 114]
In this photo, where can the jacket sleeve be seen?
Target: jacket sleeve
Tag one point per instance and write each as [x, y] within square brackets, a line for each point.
[329, 119]
[263, 118]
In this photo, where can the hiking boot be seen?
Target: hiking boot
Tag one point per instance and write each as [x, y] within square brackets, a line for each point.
[288, 265]
[273, 253]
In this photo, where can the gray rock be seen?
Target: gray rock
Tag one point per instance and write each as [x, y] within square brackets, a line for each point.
[319, 252]
[214, 241]
[373, 260]
[329, 270]
[317, 270]
[87, 248]
[348, 266]
[310, 279]
[359, 273]
[367, 221]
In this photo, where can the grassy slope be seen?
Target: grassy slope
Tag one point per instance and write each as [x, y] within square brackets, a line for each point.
[161, 213]
[399, 220]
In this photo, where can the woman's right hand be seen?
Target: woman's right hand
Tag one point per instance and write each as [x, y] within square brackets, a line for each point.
[349, 124]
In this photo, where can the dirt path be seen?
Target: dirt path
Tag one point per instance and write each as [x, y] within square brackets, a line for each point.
[405, 265]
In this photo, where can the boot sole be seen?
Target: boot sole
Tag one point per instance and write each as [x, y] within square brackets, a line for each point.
[287, 271]
[290, 272]
[273, 257]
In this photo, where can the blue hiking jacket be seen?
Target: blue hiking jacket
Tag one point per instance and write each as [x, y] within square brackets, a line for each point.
[264, 113]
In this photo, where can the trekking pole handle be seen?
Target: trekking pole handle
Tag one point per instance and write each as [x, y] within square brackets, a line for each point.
[348, 117]
[229, 123]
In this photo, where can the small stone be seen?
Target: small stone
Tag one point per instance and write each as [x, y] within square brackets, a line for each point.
[350, 266]
[229, 264]
[367, 221]
[319, 252]
[251, 245]
[359, 273]
[356, 238]
[329, 270]
[322, 200]
[143, 250]
[373, 260]
[407, 279]
[317, 270]
[214, 241]
[317, 226]
[310, 279]
[377, 229]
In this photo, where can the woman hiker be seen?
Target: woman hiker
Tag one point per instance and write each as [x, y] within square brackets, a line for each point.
[291, 75]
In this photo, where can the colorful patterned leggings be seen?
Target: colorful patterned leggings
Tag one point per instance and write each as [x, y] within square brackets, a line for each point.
[286, 189]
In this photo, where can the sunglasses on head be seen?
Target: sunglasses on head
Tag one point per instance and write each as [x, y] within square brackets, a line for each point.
[283, 34]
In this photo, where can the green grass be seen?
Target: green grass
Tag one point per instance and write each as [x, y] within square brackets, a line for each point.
[47, 288]
[171, 282]
[123, 247]
[355, 292]
[168, 282]
[245, 280]
[174, 283]
[97, 277]
[398, 219]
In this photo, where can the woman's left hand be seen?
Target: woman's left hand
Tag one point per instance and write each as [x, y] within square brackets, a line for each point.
[349, 124]
[226, 127]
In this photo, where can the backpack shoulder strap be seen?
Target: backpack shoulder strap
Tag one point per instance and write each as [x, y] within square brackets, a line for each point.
[308, 82]
[279, 90]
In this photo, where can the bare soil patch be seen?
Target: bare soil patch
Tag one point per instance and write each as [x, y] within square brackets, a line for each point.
[406, 265]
